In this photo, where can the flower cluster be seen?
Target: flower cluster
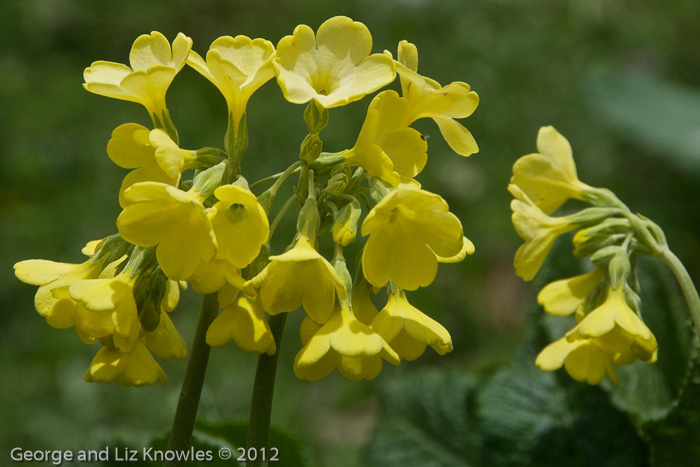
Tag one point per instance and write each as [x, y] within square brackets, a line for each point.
[605, 302]
[206, 227]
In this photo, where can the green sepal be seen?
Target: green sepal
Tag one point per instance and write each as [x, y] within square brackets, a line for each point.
[604, 255]
[208, 157]
[602, 197]
[209, 180]
[378, 189]
[111, 249]
[309, 220]
[149, 291]
[590, 216]
[315, 116]
[619, 268]
[341, 268]
[236, 140]
[327, 160]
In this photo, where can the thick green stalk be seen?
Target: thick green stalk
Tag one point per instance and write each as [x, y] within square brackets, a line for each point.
[263, 391]
[186, 412]
[689, 291]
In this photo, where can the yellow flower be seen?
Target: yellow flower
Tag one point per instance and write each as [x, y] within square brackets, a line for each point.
[299, 277]
[240, 225]
[428, 99]
[115, 296]
[407, 229]
[210, 276]
[408, 331]
[153, 67]
[346, 344]
[612, 333]
[175, 220]
[565, 296]
[152, 153]
[584, 360]
[238, 67]
[53, 279]
[618, 329]
[549, 177]
[537, 229]
[334, 67]
[136, 367]
[386, 147]
[244, 322]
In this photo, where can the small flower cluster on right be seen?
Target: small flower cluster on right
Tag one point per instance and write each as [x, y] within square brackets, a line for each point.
[605, 301]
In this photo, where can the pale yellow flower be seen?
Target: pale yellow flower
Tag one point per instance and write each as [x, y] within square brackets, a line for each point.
[334, 67]
[386, 147]
[243, 322]
[238, 66]
[428, 99]
[537, 229]
[152, 153]
[565, 296]
[136, 367]
[549, 177]
[611, 334]
[407, 230]
[240, 224]
[175, 220]
[346, 344]
[115, 296]
[153, 66]
[299, 277]
[407, 330]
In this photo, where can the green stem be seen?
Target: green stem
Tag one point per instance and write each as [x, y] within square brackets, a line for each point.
[186, 412]
[263, 391]
[689, 291]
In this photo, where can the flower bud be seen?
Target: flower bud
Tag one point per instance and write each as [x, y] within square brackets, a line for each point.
[209, 180]
[310, 148]
[345, 226]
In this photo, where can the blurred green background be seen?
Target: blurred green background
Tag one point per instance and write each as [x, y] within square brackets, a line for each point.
[620, 79]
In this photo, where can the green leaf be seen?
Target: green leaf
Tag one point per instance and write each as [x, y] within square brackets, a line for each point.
[529, 417]
[289, 448]
[674, 440]
[426, 421]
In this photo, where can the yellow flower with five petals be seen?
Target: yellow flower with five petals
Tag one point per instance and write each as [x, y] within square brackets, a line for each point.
[334, 67]
[175, 220]
[386, 146]
[537, 229]
[299, 277]
[240, 225]
[243, 322]
[611, 333]
[565, 296]
[152, 153]
[428, 99]
[238, 66]
[408, 230]
[407, 330]
[346, 344]
[135, 367]
[549, 177]
[154, 64]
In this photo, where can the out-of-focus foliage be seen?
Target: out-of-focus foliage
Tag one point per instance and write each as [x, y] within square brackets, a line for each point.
[619, 78]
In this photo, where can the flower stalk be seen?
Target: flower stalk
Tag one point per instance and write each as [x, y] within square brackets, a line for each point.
[186, 412]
